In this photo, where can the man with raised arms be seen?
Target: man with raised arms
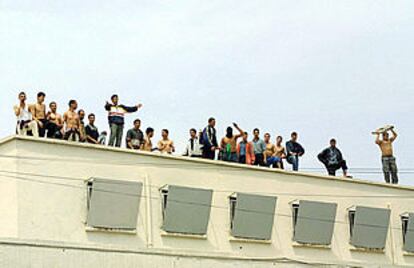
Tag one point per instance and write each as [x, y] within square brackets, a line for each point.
[116, 119]
[389, 166]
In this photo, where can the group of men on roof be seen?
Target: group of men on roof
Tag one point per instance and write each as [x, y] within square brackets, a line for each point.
[38, 121]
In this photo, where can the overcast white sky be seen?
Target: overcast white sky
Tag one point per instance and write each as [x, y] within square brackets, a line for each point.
[322, 68]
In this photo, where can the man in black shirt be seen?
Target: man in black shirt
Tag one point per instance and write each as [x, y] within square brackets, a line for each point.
[332, 158]
[135, 137]
[209, 140]
[92, 133]
[294, 151]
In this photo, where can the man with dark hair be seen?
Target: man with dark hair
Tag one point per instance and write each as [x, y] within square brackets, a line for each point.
[194, 147]
[91, 131]
[209, 140]
[82, 130]
[38, 111]
[259, 148]
[165, 145]
[389, 165]
[294, 151]
[54, 122]
[270, 158]
[72, 122]
[228, 144]
[116, 118]
[147, 146]
[245, 151]
[135, 137]
[332, 158]
[24, 118]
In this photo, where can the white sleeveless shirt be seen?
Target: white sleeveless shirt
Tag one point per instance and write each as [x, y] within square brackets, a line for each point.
[25, 114]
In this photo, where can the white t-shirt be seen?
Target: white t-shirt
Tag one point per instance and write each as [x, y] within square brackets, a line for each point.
[24, 115]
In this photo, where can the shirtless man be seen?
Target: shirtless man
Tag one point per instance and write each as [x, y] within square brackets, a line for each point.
[147, 146]
[270, 158]
[38, 111]
[24, 118]
[72, 122]
[389, 167]
[82, 130]
[228, 144]
[280, 151]
[165, 145]
[54, 122]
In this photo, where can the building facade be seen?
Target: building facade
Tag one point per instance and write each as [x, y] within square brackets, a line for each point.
[79, 205]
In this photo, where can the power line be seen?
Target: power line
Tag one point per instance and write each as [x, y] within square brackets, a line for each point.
[205, 205]
[220, 191]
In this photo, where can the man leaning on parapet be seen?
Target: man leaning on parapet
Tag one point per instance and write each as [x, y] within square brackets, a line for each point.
[389, 165]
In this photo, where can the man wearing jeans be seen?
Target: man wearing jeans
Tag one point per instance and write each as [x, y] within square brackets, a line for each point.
[389, 166]
[294, 151]
[116, 114]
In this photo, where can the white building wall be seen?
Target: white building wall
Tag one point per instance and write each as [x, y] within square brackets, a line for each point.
[48, 212]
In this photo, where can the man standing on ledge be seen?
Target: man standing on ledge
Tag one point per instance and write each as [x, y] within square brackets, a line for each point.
[116, 114]
[259, 148]
[389, 166]
[38, 111]
[210, 140]
[135, 137]
[294, 151]
[25, 120]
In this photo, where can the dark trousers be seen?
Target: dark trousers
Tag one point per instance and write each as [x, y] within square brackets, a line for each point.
[242, 159]
[259, 160]
[333, 168]
[42, 130]
[72, 135]
[209, 154]
[117, 131]
[53, 131]
[389, 167]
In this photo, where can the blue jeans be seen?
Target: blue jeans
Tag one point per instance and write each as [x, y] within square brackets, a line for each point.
[271, 161]
[294, 161]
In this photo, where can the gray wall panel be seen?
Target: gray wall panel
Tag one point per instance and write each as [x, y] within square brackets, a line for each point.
[188, 210]
[315, 223]
[254, 216]
[409, 236]
[114, 204]
[370, 227]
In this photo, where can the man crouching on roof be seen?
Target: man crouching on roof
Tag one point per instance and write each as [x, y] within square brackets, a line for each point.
[72, 122]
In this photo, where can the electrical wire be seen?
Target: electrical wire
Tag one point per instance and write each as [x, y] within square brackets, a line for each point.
[207, 205]
[220, 191]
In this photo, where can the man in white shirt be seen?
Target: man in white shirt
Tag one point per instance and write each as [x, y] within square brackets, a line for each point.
[194, 148]
[24, 118]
